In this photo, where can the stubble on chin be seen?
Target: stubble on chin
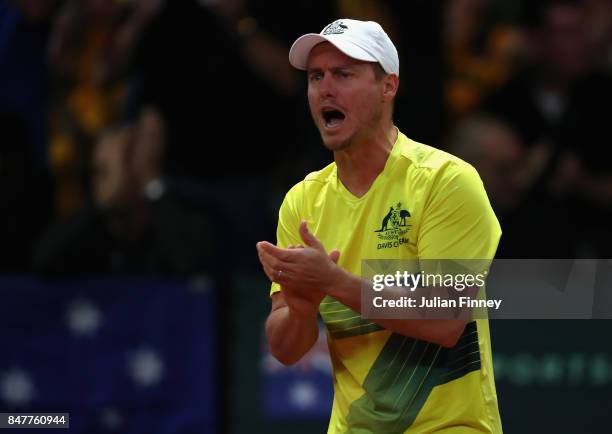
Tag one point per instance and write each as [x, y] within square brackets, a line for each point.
[355, 136]
[337, 146]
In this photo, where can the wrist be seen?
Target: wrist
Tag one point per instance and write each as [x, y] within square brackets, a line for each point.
[304, 315]
[337, 280]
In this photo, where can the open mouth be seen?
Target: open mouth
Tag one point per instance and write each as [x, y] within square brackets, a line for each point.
[332, 117]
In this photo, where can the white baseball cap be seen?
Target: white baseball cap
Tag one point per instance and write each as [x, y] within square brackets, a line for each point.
[361, 40]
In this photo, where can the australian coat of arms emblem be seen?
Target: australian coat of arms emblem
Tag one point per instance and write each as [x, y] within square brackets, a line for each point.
[393, 226]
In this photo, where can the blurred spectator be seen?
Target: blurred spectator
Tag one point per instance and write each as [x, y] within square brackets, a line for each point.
[219, 72]
[91, 52]
[599, 31]
[483, 50]
[535, 104]
[507, 171]
[414, 27]
[223, 81]
[498, 156]
[553, 105]
[24, 34]
[535, 101]
[25, 188]
[586, 132]
[136, 223]
[25, 195]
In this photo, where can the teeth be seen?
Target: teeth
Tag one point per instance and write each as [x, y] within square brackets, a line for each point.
[334, 121]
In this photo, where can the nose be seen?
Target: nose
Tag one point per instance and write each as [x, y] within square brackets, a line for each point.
[326, 86]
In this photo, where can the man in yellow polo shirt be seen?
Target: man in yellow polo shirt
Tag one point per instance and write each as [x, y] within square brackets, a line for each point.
[384, 197]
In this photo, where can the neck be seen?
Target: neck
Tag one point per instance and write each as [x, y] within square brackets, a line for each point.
[360, 164]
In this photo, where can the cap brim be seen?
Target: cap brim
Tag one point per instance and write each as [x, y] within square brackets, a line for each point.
[300, 50]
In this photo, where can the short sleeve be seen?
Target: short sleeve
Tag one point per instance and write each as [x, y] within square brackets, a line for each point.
[287, 231]
[458, 221]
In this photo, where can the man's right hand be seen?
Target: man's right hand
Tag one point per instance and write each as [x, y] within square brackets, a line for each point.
[292, 327]
[304, 307]
[303, 304]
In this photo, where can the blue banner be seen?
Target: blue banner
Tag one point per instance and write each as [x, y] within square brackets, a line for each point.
[129, 356]
[304, 390]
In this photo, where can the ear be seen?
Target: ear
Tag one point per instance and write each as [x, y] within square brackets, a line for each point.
[390, 86]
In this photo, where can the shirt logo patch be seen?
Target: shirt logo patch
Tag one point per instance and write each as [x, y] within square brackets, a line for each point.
[393, 227]
[335, 28]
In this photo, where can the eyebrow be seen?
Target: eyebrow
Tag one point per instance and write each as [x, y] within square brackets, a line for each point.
[334, 68]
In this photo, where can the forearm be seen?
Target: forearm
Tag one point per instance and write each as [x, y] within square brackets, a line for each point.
[290, 336]
[268, 58]
[445, 332]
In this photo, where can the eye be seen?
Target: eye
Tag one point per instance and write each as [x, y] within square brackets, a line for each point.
[315, 76]
[344, 74]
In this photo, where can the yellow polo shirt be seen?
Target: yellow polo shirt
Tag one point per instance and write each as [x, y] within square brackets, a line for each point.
[425, 204]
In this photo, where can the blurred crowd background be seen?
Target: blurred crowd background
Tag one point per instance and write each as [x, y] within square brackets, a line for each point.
[150, 136]
[158, 137]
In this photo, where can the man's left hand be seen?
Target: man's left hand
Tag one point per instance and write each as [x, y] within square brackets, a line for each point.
[302, 269]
